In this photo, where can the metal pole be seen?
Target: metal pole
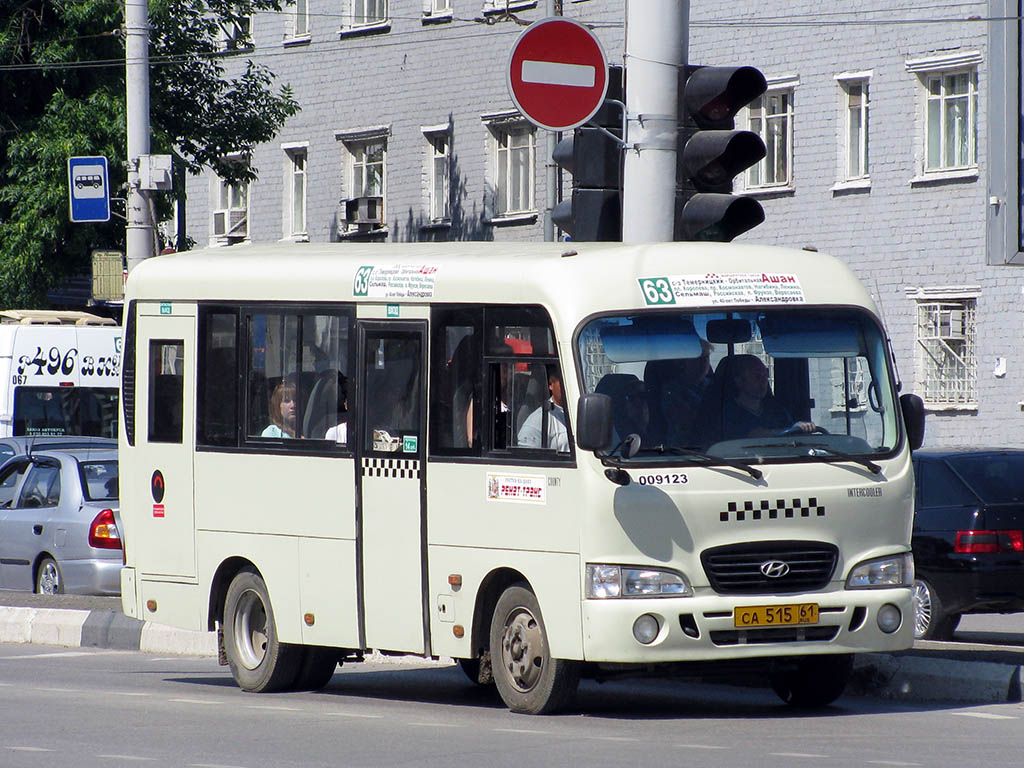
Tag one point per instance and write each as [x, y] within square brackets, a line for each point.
[139, 240]
[656, 48]
[551, 8]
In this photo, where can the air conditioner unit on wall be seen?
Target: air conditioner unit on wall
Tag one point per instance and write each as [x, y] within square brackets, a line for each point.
[365, 211]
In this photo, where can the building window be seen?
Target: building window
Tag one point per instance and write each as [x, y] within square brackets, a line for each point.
[368, 167]
[300, 19]
[439, 175]
[231, 212]
[235, 33]
[771, 117]
[437, 7]
[947, 364]
[856, 135]
[365, 184]
[515, 151]
[295, 192]
[951, 124]
[367, 12]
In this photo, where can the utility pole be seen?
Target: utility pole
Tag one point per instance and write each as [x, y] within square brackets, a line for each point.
[139, 234]
[656, 49]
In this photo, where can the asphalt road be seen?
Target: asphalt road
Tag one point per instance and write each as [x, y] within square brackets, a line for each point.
[89, 708]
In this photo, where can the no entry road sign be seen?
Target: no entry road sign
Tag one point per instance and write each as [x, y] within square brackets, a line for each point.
[557, 74]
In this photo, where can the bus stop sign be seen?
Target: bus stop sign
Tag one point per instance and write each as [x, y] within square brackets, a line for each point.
[557, 74]
[89, 188]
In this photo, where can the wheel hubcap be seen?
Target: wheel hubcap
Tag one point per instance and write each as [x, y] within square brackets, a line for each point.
[49, 580]
[922, 608]
[522, 649]
[250, 635]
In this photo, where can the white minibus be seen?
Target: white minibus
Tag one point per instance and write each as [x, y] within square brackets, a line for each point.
[59, 372]
[546, 461]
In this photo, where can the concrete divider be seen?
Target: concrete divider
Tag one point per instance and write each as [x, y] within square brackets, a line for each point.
[910, 677]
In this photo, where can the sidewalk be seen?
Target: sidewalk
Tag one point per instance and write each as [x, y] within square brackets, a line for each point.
[977, 671]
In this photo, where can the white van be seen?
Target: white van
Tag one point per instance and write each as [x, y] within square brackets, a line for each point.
[59, 373]
[486, 451]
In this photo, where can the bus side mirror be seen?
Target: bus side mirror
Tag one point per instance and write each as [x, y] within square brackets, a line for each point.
[594, 422]
[913, 417]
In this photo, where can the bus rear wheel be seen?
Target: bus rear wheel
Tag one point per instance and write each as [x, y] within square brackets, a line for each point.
[527, 678]
[259, 661]
[812, 681]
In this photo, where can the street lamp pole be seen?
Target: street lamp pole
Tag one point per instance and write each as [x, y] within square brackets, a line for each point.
[139, 233]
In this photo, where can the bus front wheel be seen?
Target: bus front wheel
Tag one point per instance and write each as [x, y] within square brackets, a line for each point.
[259, 661]
[528, 679]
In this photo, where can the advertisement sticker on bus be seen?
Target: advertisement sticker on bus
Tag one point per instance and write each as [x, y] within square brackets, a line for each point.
[55, 356]
[720, 289]
[395, 281]
[527, 489]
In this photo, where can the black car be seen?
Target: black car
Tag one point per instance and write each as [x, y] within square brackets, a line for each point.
[968, 536]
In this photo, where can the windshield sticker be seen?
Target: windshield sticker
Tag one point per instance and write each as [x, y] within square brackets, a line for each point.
[524, 489]
[719, 289]
[668, 478]
[395, 281]
[861, 492]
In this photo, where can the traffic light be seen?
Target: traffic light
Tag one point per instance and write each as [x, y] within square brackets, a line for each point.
[593, 209]
[714, 152]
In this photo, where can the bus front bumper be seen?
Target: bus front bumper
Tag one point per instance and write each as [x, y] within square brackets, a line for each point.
[705, 628]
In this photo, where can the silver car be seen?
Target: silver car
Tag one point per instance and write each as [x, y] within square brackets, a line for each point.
[58, 532]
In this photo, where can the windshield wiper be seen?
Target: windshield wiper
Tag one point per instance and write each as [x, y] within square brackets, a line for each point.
[708, 458]
[817, 449]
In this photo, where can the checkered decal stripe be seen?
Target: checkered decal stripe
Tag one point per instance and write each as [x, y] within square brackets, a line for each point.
[767, 510]
[405, 468]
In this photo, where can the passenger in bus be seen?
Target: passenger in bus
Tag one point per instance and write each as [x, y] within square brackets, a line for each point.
[676, 389]
[630, 411]
[339, 432]
[750, 409]
[282, 410]
[531, 434]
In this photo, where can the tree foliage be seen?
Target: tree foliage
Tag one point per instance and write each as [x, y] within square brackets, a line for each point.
[62, 93]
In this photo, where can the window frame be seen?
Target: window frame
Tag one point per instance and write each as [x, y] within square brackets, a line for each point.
[930, 381]
[439, 209]
[784, 88]
[849, 175]
[501, 130]
[243, 311]
[292, 152]
[226, 196]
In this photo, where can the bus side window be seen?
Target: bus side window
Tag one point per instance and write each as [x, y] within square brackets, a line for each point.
[457, 379]
[218, 380]
[166, 375]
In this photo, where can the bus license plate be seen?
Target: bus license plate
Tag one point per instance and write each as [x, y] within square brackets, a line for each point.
[775, 615]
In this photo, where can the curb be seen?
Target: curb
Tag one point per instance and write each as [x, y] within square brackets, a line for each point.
[908, 676]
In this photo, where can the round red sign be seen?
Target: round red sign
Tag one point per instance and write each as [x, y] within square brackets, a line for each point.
[557, 74]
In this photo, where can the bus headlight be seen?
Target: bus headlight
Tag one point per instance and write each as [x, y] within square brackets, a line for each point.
[891, 571]
[624, 581]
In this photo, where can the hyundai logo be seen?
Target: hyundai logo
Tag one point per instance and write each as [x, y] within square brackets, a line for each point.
[774, 569]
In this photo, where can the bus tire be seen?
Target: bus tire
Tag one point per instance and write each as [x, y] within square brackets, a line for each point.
[49, 579]
[317, 668]
[812, 681]
[259, 661]
[528, 679]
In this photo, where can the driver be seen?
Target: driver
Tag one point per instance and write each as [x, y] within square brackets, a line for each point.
[750, 409]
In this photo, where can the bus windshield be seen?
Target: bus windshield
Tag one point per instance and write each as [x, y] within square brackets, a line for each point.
[775, 384]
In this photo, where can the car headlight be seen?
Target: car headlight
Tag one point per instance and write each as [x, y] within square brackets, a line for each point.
[624, 581]
[890, 571]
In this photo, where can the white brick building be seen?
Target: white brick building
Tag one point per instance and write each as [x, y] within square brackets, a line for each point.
[892, 132]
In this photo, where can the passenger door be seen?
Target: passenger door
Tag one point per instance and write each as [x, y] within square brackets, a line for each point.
[165, 426]
[392, 515]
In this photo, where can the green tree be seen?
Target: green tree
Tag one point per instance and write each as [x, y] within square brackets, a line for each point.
[62, 93]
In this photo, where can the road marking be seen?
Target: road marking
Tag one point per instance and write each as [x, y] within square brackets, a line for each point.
[698, 746]
[794, 754]
[614, 738]
[55, 690]
[213, 765]
[136, 758]
[127, 693]
[61, 655]
[984, 715]
[274, 707]
[354, 714]
[892, 762]
[193, 701]
[29, 749]
[435, 725]
[520, 730]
